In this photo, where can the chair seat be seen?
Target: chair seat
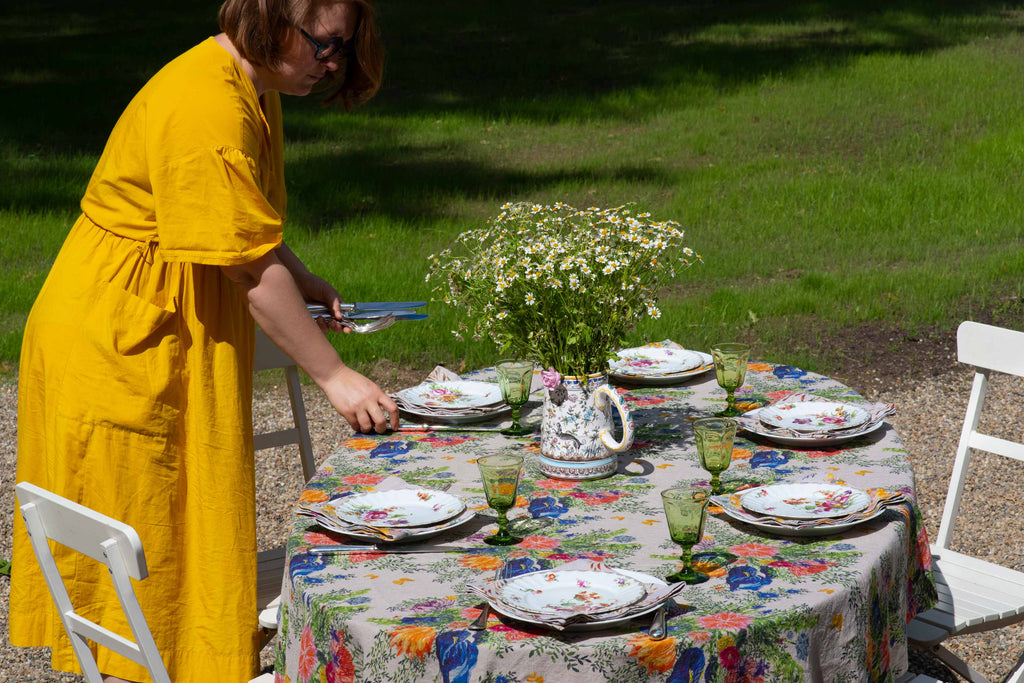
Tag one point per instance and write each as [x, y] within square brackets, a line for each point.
[974, 595]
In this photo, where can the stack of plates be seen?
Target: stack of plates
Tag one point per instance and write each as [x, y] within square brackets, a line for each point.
[453, 402]
[658, 365]
[398, 515]
[580, 595]
[805, 509]
[807, 420]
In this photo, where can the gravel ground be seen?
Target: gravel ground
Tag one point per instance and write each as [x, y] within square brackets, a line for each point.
[930, 413]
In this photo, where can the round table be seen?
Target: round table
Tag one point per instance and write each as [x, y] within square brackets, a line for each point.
[776, 608]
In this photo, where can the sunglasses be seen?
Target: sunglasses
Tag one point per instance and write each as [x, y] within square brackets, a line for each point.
[325, 51]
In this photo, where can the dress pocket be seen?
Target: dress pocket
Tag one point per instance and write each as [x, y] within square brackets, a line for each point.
[124, 364]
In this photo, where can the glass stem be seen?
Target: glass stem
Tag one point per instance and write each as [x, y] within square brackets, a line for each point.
[685, 557]
[502, 523]
[515, 418]
[716, 484]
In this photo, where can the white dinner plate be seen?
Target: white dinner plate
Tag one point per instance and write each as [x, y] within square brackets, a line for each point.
[606, 623]
[804, 532]
[806, 500]
[814, 416]
[412, 534]
[654, 361]
[570, 592]
[453, 395]
[806, 440]
[471, 417]
[628, 376]
[400, 508]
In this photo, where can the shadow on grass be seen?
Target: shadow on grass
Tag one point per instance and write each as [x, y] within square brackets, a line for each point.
[68, 69]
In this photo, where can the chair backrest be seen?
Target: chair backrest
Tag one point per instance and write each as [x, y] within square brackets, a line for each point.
[268, 356]
[989, 349]
[106, 540]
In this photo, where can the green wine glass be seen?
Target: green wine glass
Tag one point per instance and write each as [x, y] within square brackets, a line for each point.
[500, 474]
[686, 510]
[715, 436]
[730, 370]
[515, 378]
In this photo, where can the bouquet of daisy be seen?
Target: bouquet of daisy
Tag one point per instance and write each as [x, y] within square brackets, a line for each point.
[558, 285]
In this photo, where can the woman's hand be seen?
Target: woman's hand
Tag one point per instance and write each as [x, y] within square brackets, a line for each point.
[361, 402]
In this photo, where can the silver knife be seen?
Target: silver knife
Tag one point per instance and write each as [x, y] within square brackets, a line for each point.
[332, 549]
[406, 427]
[383, 305]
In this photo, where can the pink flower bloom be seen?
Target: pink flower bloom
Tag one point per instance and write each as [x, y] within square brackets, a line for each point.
[551, 378]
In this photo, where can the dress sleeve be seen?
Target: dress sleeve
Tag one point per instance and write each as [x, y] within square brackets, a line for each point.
[211, 208]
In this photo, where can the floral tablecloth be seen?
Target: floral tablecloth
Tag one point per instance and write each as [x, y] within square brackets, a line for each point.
[830, 608]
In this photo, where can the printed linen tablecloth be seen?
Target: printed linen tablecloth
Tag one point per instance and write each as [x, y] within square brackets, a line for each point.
[829, 608]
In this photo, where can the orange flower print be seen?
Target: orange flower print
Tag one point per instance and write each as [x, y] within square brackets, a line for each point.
[413, 641]
[313, 496]
[924, 552]
[556, 484]
[364, 479]
[837, 621]
[725, 620]
[753, 550]
[340, 668]
[741, 454]
[360, 443]
[778, 395]
[532, 447]
[657, 656]
[307, 654]
[317, 538]
[822, 454]
[745, 406]
[539, 543]
[514, 634]
[709, 568]
[481, 562]
[758, 367]
[699, 637]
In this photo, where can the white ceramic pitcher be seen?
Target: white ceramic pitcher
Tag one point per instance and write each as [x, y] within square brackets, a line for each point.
[576, 440]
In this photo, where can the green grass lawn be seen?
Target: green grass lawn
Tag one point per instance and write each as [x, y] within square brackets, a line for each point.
[835, 163]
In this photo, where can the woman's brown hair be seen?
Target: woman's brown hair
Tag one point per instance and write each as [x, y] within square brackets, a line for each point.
[258, 28]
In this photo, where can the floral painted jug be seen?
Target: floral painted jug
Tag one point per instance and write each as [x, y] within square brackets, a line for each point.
[576, 440]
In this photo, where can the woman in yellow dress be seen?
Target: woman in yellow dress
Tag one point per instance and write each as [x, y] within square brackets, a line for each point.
[135, 382]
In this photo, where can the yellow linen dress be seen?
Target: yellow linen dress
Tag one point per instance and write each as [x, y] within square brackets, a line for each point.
[136, 371]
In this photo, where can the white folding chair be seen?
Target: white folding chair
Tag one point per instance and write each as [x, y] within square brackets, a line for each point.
[115, 544]
[270, 563]
[269, 357]
[974, 595]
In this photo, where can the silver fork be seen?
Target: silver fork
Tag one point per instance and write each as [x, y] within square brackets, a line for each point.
[480, 623]
[371, 326]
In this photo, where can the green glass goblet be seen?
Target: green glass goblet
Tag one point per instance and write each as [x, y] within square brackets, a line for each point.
[686, 510]
[730, 370]
[500, 474]
[715, 436]
[515, 378]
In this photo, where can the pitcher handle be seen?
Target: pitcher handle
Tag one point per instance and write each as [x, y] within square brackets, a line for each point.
[601, 397]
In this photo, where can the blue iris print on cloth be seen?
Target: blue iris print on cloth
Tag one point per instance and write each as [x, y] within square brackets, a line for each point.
[303, 564]
[390, 449]
[689, 666]
[548, 506]
[457, 655]
[768, 459]
[748, 578]
[523, 565]
[788, 372]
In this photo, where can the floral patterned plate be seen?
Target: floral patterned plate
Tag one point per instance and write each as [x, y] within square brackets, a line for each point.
[814, 416]
[805, 500]
[413, 534]
[571, 592]
[400, 507]
[654, 361]
[640, 366]
[452, 395]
